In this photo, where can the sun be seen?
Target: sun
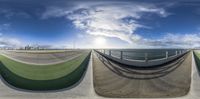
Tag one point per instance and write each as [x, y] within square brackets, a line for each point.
[100, 42]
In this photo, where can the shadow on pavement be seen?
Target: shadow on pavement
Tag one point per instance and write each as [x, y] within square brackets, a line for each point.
[142, 74]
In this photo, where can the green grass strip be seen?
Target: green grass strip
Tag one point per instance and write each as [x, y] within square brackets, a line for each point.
[70, 78]
[197, 59]
[42, 72]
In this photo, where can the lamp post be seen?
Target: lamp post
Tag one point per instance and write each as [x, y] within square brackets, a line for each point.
[166, 54]
[121, 55]
[146, 57]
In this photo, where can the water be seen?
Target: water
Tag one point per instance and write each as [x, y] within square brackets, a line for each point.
[139, 54]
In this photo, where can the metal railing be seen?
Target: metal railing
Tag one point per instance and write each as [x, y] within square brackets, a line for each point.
[142, 58]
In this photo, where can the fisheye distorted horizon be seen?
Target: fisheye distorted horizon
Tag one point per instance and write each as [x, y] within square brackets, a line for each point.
[100, 24]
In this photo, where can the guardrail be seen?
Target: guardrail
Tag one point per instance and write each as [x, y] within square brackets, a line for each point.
[142, 60]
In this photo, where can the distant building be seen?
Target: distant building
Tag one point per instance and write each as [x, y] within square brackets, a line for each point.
[35, 47]
[27, 47]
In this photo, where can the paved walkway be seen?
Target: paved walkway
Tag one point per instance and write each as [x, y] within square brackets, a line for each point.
[114, 80]
[195, 82]
[85, 90]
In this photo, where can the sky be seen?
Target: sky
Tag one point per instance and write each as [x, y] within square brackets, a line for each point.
[100, 23]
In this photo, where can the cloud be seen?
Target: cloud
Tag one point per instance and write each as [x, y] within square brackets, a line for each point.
[9, 13]
[7, 42]
[120, 20]
[109, 19]
[173, 40]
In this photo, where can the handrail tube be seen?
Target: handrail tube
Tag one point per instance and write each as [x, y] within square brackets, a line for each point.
[144, 63]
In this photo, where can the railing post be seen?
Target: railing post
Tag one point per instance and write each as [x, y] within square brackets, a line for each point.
[109, 52]
[166, 54]
[176, 53]
[121, 55]
[146, 57]
[104, 51]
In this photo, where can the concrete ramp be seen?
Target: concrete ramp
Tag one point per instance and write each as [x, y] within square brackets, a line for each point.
[167, 81]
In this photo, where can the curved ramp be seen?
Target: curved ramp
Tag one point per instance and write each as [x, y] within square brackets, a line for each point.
[43, 77]
[82, 90]
[114, 80]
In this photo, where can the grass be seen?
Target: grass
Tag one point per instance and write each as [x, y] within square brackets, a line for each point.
[42, 72]
[197, 59]
[39, 77]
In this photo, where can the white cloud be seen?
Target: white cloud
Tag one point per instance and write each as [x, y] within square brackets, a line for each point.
[4, 27]
[119, 20]
[9, 13]
[109, 19]
[5, 41]
[191, 40]
[9, 42]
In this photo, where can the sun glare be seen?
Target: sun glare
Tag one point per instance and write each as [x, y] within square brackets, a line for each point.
[100, 42]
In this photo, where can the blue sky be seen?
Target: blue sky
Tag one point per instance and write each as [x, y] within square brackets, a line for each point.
[100, 24]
